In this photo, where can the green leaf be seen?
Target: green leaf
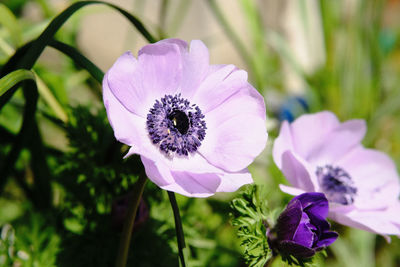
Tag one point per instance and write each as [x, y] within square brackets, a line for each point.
[79, 59]
[10, 22]
[13, 78]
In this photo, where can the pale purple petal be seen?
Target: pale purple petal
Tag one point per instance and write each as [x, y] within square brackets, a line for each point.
[196, 66]
[320, 138]
[282, 143]
[236, 131]
[127, 126]
[157, 172]
[219, 86]
[231, 182]
[182, 45]
[338, 142]
[309, 131]
[375, 175]
[372, 221]
[291, 190]
[197, 183]
[126, 85]
[296, 172]
[161, 68]
[184, 183]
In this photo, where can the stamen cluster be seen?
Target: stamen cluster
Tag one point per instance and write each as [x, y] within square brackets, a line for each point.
[177, 126]
[336, 184]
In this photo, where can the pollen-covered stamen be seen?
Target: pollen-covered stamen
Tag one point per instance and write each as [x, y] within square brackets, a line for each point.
[175, 125]
[337, 185]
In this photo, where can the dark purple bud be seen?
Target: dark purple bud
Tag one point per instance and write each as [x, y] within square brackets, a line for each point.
[120, 207]
[302, 229]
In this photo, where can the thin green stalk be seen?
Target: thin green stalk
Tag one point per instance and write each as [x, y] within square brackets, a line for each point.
[270, 261]
[129, 221]
[178, 227]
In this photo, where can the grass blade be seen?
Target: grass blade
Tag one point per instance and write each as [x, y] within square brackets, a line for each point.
[14, 78]
[79, 59]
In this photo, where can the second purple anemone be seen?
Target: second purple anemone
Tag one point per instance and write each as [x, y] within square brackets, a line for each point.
[317, 153]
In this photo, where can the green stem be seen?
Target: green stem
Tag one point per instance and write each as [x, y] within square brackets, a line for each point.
[129, 221]
[178, 227]
[270, 261]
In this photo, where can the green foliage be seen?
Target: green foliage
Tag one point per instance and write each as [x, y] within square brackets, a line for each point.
[30, 241]
[250, 217]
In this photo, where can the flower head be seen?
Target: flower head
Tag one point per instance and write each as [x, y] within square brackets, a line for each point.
[195, 126]
[302, 229]
[318, 153]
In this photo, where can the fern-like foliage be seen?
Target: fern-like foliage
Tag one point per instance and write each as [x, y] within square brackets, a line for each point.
[251, 217]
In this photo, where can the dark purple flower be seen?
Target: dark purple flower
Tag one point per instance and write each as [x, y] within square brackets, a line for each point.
[302, 228]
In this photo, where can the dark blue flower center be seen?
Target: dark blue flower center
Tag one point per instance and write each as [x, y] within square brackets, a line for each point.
[175, 125]
[337, 185]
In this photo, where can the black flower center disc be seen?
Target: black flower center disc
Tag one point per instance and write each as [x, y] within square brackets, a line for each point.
[179, 120]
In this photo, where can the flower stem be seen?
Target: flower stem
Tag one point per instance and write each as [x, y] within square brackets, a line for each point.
[269, 261]
[178, 227]
[129, 221]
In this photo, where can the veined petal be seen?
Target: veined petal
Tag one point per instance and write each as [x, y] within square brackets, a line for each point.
[377, 221]
[374, 175]
[218, 86]
[282, 143]
[127, 126]
[196, 66]
[320, 138]
[197, 184]
[182, 182]
[231, 182]
[236, 131]
[309, 131]
[297, 173]
[340, 141]
[160, 66]
[126, 85]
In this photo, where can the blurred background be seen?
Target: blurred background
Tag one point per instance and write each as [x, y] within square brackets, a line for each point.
[61, 204]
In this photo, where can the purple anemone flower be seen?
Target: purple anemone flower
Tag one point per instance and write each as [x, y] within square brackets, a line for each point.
[302, 229]
[318, 153]
[195, 126]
